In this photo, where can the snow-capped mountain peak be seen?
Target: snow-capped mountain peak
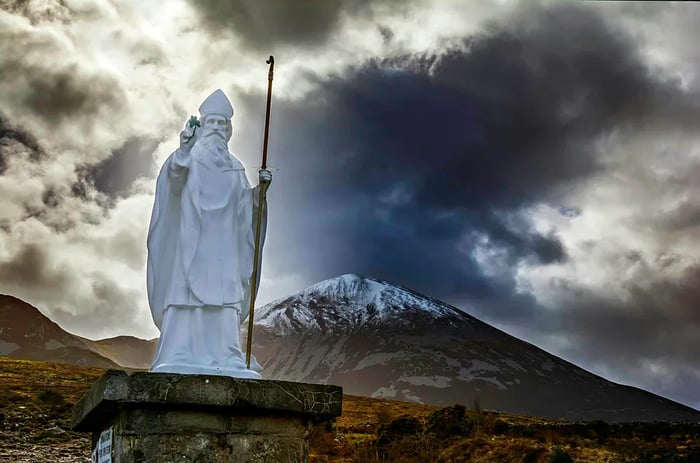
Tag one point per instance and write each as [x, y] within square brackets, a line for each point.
[351, 285]
[348, 302]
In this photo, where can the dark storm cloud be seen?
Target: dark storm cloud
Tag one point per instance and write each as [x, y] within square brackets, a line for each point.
[269, 24]
[115, 174]
[658, 323]
[113, 177]
[421, 170]
[46, 10]
[686, 214]
[423, 160]
[51, 197]
[32, 267]
[106, 303]
[33, 272]
[56, 91]
[80, 188]
[65, 94]
[647, 324]
[684, 218]
[14, 140]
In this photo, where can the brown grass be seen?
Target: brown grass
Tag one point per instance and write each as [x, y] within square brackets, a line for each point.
[36, 399]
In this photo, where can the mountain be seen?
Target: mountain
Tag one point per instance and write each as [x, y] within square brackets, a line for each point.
[380, 340]
[27, 334]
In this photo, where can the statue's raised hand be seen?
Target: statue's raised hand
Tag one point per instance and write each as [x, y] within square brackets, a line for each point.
[188, 136]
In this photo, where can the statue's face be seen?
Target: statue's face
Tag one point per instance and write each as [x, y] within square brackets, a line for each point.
[216, 126]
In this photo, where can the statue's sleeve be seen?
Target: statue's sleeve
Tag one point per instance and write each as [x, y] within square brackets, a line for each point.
[163, 234]
[179, 167]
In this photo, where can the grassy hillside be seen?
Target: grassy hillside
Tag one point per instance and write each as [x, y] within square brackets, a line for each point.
[36, 400]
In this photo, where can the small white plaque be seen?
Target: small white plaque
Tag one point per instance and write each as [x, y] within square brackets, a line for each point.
[103, 450]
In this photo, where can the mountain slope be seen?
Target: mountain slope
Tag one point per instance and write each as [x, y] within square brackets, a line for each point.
[27, 334]
[379, 340]
[127, 351]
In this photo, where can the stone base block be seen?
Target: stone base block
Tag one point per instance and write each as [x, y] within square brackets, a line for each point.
[165, 417]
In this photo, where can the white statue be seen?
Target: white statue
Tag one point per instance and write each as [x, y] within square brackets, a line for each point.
[200, 250]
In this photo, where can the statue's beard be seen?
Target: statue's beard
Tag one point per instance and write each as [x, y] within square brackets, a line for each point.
[212, 143]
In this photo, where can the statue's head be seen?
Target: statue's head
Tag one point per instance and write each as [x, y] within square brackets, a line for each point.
[216, 113]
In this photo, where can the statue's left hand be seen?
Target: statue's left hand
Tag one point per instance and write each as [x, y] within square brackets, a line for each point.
[265, 177]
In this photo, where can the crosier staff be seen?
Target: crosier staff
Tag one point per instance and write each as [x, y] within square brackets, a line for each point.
[258, 225]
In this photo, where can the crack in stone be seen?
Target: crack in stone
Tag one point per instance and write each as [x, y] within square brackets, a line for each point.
[317, 401]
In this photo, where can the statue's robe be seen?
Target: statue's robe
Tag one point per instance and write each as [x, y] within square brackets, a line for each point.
[200, 260]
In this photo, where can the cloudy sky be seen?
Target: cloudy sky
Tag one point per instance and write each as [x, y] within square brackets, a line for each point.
[536, 164]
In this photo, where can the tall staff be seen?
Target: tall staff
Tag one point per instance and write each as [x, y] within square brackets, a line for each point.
[258, 225]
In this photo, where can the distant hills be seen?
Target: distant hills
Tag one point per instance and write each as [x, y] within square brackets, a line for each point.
[378, 340]
[27, 334]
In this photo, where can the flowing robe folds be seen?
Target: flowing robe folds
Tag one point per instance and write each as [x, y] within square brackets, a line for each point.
[200, 261]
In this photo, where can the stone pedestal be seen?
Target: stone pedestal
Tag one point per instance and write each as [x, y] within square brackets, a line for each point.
[164, 417]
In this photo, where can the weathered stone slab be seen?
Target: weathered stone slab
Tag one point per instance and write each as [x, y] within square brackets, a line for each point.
[164, 417]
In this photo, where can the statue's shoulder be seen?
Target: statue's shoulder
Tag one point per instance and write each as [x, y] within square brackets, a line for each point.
[237, 164]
